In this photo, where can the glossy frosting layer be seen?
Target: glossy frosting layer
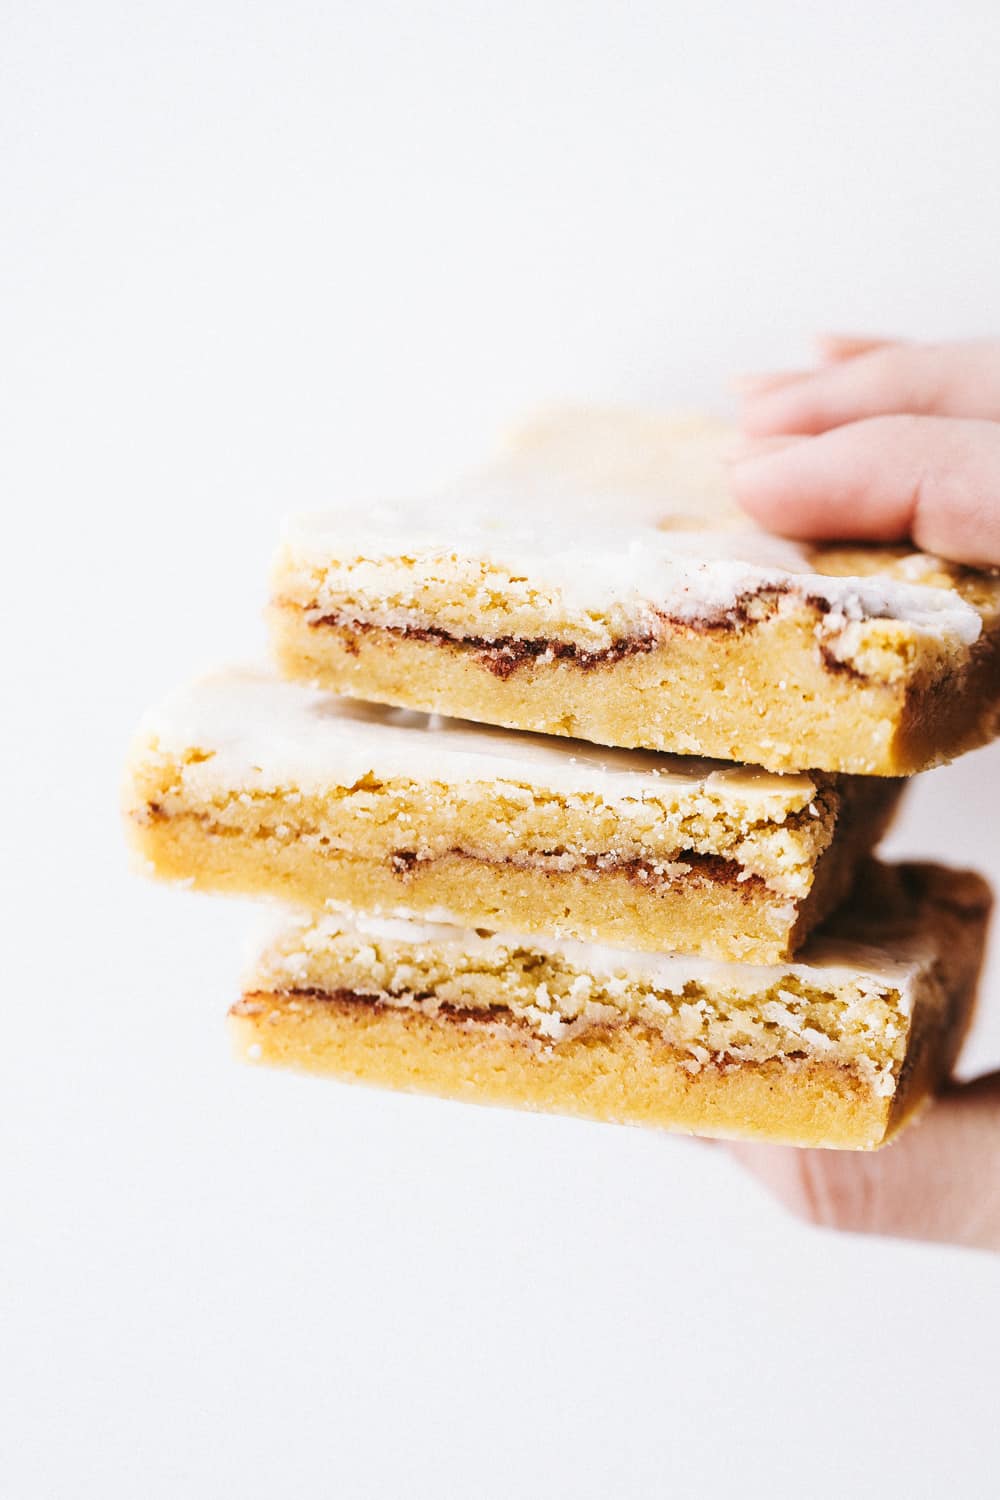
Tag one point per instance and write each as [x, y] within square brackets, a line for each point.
[841, 959]
[251, 729]
[618, 514]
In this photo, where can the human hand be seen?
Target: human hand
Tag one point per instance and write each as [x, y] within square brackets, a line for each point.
[881, 442]
[900, 440]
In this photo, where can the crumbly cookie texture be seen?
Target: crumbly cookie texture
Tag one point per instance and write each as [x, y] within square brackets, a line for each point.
[600, 583]
[249, 784]
[837, 1049]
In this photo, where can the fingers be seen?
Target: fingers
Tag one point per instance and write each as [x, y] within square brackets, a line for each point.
[869, 377]
[832, 348]
[940, 1180]
[884, 479]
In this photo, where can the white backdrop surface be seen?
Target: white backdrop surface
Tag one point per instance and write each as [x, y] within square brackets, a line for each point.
[257, 256]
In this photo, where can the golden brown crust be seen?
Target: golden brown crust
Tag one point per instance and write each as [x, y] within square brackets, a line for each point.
[411, 1013]
[624, 1075]
[765, 694]
[703, 903]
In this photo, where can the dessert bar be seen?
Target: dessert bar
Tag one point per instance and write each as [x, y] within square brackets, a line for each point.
[599, 583]
[835, 1049]
[249, 784]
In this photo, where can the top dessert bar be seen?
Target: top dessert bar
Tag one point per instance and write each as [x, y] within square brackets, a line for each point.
[599, 582]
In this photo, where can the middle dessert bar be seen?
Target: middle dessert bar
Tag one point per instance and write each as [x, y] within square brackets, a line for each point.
[247, 784]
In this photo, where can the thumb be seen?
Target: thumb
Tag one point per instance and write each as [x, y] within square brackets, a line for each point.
[939, 1181]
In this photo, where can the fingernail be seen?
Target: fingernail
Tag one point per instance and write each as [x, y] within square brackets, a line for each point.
[756, 447]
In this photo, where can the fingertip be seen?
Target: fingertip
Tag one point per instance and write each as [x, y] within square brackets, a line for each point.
[757, 384]
[789, 410]
[834, 348]
[758, 445]
[758, 497]
[767, 480]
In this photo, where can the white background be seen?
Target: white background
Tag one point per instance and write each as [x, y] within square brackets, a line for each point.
[259, 256]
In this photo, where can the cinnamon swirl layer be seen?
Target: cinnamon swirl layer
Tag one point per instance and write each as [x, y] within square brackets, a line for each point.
[834, 1049]
[248, 784]
[598, 583]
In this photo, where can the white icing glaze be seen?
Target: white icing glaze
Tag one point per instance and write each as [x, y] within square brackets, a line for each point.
[826, 962]
[633, 571]
[625, 515]
[263, 732]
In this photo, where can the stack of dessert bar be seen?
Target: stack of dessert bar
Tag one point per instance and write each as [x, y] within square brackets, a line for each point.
[628, 876]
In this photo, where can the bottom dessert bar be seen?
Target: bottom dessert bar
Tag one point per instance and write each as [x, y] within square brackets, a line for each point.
[835, 1049]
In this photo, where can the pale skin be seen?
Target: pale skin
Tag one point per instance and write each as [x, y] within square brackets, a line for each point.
[881, 441]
